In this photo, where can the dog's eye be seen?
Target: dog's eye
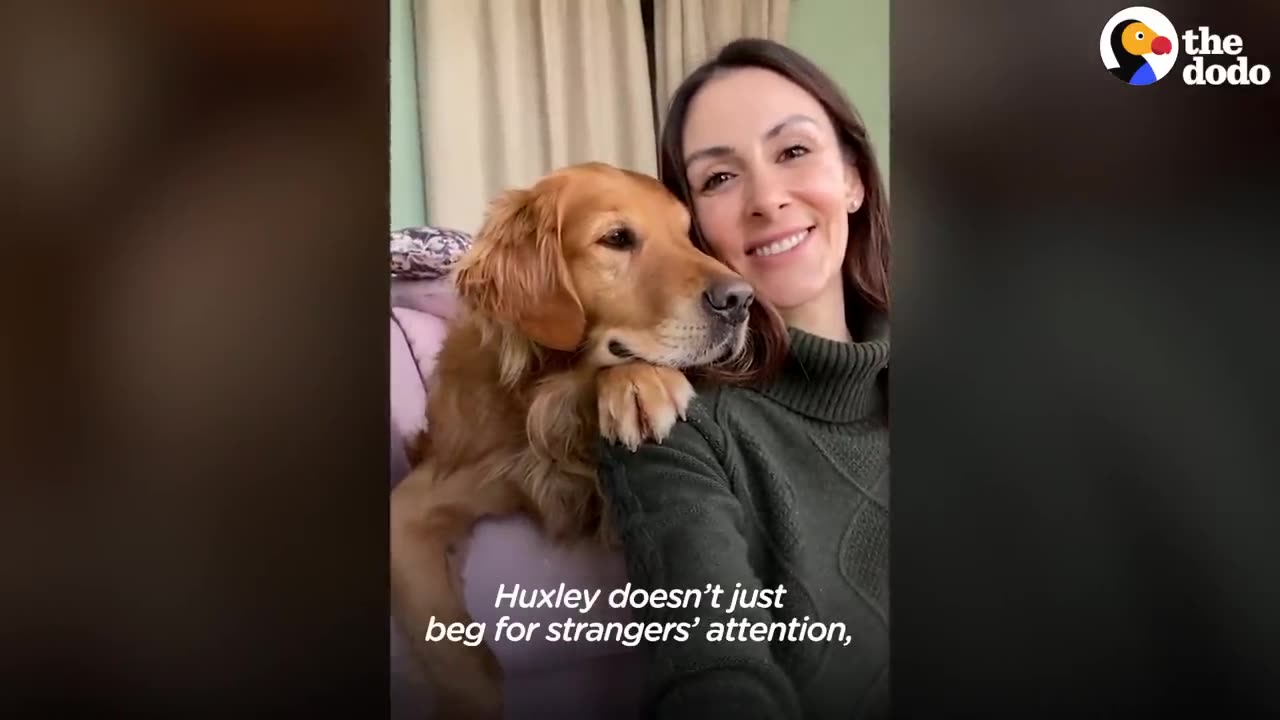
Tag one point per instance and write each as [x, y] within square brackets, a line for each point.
[619, 239]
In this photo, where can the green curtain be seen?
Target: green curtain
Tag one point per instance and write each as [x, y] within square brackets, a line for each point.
[407, 196]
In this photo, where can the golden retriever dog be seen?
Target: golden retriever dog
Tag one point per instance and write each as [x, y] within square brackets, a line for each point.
[581, 301]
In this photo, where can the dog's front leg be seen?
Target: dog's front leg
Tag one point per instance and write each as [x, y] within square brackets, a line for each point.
[429, 513]
[638, 401]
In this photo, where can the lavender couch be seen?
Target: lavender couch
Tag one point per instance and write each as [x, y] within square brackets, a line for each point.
[543, 680]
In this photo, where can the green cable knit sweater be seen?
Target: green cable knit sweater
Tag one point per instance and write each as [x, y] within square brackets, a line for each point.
[785, 486]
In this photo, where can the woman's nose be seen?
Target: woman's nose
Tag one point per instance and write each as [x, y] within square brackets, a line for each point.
[766, 194]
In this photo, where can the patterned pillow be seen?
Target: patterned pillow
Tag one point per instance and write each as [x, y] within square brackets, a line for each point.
[425, 252]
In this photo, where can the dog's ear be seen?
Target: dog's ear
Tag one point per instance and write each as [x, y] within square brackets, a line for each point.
[516, 271]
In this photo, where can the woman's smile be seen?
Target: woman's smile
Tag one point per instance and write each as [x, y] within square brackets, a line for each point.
[775, 246]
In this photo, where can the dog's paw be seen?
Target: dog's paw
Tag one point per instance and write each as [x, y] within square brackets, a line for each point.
[638, 402]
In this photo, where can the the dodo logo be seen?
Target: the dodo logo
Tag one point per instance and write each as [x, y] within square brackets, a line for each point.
[1139, 45]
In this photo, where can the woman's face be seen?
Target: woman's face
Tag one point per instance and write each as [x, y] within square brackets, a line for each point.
[771, 186]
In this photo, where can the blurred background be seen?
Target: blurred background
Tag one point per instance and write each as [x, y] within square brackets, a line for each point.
[192, 372]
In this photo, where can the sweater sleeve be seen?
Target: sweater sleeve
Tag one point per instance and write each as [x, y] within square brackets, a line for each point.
[681, 528]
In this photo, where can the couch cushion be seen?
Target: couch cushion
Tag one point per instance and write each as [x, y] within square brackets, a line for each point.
[436, 297]
[425, 335]
[408, 394]
[511, 550]
[604, 688]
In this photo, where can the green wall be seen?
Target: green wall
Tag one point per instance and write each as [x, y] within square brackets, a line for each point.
[850, 40]
[407, 197]
[847, 38]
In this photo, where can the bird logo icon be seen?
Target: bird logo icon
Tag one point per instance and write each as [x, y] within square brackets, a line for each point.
[1139, 45]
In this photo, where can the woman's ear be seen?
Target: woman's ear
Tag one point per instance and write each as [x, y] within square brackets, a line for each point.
[516, 273]
[855, 192]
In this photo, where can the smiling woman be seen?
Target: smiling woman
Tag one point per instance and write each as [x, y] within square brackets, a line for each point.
[774, 204]
[780, 476]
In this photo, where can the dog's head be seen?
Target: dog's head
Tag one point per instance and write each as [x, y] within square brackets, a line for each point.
[597, 260]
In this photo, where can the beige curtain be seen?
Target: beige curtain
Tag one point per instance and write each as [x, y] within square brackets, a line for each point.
[512, 89]
[687, 32]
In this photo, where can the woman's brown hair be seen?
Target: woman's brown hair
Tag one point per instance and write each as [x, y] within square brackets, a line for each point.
[867, 255]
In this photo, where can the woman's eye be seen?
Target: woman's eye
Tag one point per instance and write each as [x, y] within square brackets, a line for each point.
[794, 151]
[715, 181]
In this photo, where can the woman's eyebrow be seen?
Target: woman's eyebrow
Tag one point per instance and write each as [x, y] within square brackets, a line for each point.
[789, 120]
[711, 152]
[718, 151]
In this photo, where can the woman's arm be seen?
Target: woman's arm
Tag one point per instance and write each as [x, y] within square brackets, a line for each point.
[682, 528]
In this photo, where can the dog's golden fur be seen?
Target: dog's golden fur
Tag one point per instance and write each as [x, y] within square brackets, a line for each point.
[581, 299]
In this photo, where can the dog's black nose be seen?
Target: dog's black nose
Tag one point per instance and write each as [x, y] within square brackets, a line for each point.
[729, 299]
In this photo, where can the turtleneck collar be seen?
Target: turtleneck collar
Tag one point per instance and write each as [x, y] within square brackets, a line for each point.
[834, 381]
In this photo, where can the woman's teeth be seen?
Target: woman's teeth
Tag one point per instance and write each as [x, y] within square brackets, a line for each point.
[780, 246]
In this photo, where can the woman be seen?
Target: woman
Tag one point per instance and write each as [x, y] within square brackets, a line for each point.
[778, 481]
